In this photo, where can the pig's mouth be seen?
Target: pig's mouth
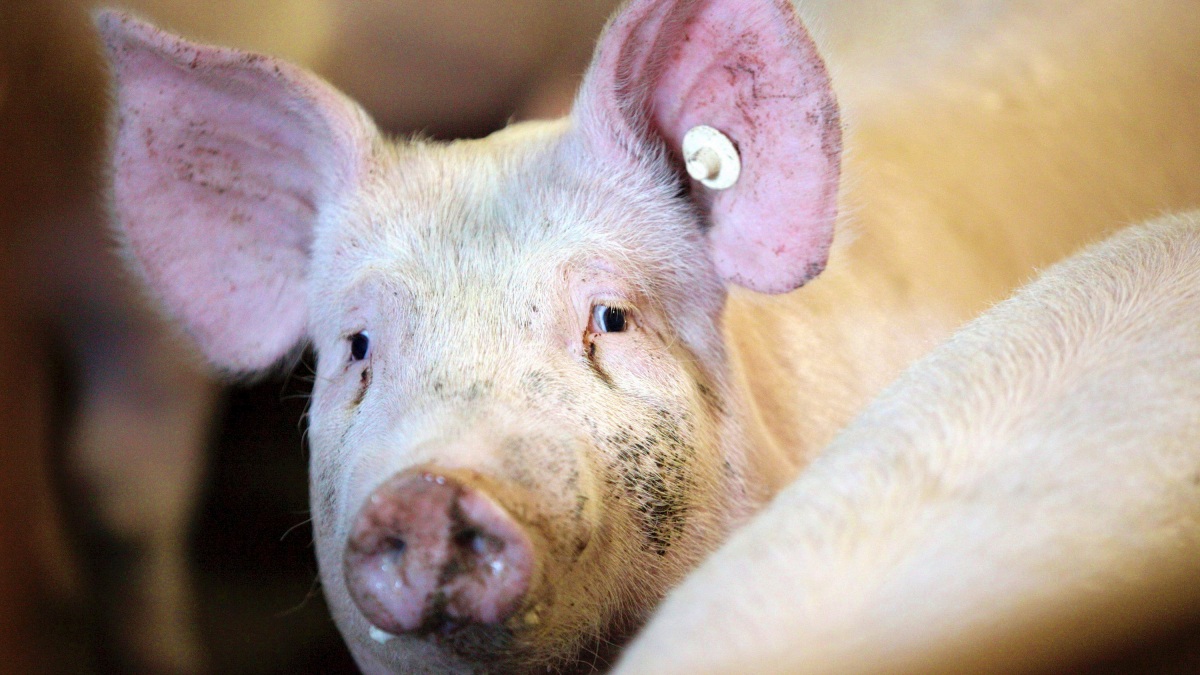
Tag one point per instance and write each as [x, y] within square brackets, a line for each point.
[499, 649]
[488, 646]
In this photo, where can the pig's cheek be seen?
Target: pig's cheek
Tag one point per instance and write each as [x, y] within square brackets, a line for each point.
[330, 419]
[639, 365]
[339, 390]
[666, 382]
[327, 418]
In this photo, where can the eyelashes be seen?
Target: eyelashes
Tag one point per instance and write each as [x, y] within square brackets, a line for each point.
[608, 319]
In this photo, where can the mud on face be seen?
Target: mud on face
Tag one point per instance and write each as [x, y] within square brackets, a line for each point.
[651, 471]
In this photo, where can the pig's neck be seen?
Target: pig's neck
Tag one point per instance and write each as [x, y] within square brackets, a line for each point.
[908, 267]
[962, 177]
[806, 362]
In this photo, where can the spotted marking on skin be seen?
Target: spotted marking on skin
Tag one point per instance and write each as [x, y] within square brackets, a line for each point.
[534, 382]
[470, 393]
[814, 269]
[652, 470]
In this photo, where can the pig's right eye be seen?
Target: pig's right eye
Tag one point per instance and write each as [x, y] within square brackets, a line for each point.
[607, 319]
[360, 345]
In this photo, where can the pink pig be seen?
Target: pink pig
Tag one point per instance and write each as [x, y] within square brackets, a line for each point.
[542, 395]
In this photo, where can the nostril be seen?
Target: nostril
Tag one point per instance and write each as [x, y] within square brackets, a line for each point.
[474, 541]
[394, 545]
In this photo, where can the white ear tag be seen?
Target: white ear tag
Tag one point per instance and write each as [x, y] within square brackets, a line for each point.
[711, 157]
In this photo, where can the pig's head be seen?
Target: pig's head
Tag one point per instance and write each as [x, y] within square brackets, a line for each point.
[523, 426]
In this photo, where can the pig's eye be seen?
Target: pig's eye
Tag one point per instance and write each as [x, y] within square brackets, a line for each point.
[607, 319]
[360, 344]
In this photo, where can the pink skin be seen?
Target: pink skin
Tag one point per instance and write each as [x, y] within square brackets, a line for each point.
[265, 209]
[428, 551]
[247, 148]
[749, 70]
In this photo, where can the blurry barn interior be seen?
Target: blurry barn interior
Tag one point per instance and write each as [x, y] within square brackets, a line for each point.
[101, 405]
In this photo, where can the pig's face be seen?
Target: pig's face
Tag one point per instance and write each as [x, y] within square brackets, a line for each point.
[523, 429]
[525, 322]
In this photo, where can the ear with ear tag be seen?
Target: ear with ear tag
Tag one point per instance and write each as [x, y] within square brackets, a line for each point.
[747, 77]
[223, 164]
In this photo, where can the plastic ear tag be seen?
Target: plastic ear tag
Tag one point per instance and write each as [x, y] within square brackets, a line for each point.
[711, 157]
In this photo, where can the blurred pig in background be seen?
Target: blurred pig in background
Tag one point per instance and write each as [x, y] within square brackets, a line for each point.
[108, 413]
[447, 69]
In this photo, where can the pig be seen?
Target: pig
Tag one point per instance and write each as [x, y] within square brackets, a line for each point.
[1024, 492]
[550, 378]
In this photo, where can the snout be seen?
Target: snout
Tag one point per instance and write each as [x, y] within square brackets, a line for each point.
[430, 553]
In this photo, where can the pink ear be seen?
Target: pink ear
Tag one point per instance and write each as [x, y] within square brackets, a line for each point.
[749, 69]
[223, 163]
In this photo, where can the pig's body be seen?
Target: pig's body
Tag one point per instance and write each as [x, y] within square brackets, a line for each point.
[993, 140]
[536, 406]
[446, 68]
[1025, 492]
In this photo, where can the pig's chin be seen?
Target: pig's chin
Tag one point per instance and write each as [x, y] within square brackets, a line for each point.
[467, 649]
[475, 649]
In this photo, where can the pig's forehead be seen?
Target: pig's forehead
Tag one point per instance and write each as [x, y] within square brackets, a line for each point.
[510, 208]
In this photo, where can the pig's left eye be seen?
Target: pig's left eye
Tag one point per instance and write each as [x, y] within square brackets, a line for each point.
[360, 346]
[607, 319]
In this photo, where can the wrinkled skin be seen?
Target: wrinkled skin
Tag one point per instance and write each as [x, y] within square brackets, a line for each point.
[475, 269]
